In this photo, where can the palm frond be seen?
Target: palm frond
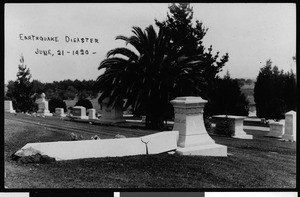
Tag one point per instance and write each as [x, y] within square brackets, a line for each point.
[111, 61]
[122, 51]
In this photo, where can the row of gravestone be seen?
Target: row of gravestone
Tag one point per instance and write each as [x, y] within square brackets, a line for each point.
[189, 137]
[109, 114]
[285, 129]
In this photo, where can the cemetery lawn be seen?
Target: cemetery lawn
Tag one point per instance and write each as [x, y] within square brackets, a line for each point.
[258, 163]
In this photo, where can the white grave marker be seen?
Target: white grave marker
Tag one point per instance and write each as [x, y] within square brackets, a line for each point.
[8, 107]
[276, 129]
[92, 114]
[60, 112]
[112, 115]
[290, 126]
[79, 112]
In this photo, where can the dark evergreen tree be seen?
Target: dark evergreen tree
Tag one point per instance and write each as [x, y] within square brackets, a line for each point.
[274, 92]
[186, 39]
[226, 98]
[22, 93]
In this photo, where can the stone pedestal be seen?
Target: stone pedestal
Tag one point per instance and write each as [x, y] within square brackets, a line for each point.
[276, 129]
[43, 106]
[111, 115]
[236, 123]
[92, 114]
[193, 138]
[290, 126]
[8, 107]
[79, 112]
[60, 112]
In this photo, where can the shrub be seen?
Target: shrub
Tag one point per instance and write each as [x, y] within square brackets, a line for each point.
[225, 128]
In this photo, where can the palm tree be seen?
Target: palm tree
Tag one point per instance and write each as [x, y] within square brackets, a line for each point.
[150, 77]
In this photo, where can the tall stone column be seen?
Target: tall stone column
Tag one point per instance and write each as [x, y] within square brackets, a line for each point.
[193, 138]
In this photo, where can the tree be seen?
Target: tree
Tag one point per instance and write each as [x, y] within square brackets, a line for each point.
[148, 79]
[37, 87]
[274, 92]
[186, 39]
[226, 98]
[84, 103]
[22, 92]
[162, 68]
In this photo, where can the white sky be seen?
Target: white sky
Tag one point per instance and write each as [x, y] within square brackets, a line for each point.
[250, 33]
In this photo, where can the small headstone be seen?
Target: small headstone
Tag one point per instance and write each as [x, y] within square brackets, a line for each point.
[290, 126]
[92, 114]
[79, 112]
[9, 107]
[276, 129]
[112, 115]
[60, 112]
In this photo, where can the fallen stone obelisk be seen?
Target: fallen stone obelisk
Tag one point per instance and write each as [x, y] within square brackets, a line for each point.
[68, 150]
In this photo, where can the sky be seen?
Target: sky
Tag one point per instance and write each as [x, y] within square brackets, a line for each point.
[250, 33]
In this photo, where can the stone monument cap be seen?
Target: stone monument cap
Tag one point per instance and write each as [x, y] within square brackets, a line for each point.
[229, 116]
[78, 107]
[188, 100]
[291, 112]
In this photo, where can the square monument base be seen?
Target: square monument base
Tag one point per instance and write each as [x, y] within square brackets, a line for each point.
[276, 130]
[107, 121]
[45, 113]
[243, 136]
[11, 111]
[287, 137]
[80, 117]
[204, 150]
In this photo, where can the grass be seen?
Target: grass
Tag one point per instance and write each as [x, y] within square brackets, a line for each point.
[258, 163]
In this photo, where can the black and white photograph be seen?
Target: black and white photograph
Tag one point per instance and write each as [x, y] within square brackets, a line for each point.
[150, 96]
